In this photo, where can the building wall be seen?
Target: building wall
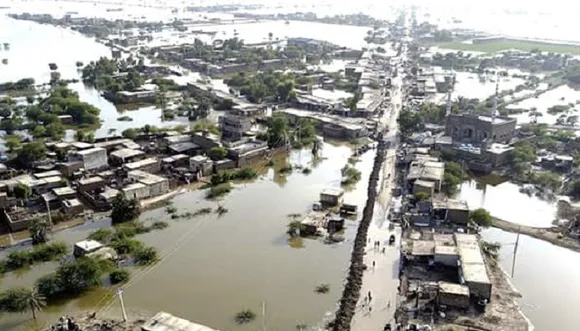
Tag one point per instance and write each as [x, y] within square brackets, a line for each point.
[480, 290]
[471, 129]
[448, 260]
[95, 160]
[453, 300]
[251, 156]
[159, 188]
[458, 216]
[137, 193]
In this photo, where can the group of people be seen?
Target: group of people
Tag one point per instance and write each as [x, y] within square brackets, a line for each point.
[65, 323]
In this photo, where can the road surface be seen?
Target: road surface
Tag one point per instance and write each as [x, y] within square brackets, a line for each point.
[381, 277]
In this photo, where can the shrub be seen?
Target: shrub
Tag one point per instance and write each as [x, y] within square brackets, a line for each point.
[245, 316]
[119, 276]
[145, 256]
[219, 190]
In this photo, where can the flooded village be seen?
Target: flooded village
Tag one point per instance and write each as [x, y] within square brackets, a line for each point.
[190, 167]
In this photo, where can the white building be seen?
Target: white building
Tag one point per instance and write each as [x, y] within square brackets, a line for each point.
[93, 158]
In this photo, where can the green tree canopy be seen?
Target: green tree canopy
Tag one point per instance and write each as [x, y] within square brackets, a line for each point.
[217, 153]
[124, 210]
[32, 152]
[481, 217]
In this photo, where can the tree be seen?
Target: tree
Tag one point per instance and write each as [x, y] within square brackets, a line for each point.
[32, 152]
[79, 275]
[13, 143]
[22, 191]
[53, 66]
[421, 196]
[352, 102]
[38, 231]
[217, 153]
[119, 276]
[21, 300]
[202, 109]
[316, 146]
[130, 133]
[481, 217]
[124, 210]
[409, 122]
[145, 256]
[49, 286]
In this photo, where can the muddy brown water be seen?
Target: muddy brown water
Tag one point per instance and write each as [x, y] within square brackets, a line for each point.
[212, 267]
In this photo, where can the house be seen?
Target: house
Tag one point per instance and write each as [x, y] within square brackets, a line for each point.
[179, 160]
[424, 186]
[92, 158]
[455, 211]
[92, 183]
[85, 247]
[125, 155]
[156, 185]
[136, 191]
[224, 164]
[188, 148]
[70, 169]
[426, 171]
[206, 140]
[136, 96]
[64, 193]
[331, 196]
[234, 127]
[472, 271]
[201, 164]
[453, 295]
[248, 151]
[150, 164]
[72, 207]
[111, 145]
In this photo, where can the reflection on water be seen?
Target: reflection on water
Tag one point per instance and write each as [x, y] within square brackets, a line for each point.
[547, 277]
[212, 266]
[506, 202]
[562, 95]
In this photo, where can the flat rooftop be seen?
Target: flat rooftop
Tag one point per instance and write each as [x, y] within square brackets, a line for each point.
[336, 192]
[146, 178]
[91, 151]
[140, 163]
[163, 321]
[126, 153]
[451, 288]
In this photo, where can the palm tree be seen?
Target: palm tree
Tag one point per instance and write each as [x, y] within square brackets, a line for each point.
[35, 301]
[38, 231]
[316, 146]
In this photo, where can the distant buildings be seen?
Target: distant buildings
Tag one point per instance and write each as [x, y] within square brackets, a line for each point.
[234, 127]
[93, 158]
[471, 128]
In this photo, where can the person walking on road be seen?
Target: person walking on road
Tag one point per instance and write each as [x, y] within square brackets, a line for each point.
[373, 265]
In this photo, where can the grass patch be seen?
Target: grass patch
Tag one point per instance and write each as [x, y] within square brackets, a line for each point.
[499, 46]
[218, 190]
[350, 175]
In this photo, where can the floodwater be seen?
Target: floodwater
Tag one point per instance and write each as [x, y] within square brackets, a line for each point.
[469, 85]
[562, 95]
[34, 46]
[546, 276]
[506, 202]
[213, 267]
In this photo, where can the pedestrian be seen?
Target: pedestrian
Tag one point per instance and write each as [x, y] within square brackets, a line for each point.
[383, 251]
[389, 304]
[370, 296]
[373, 265]
[370, 309]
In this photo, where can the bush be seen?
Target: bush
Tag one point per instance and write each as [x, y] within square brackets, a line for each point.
[217, 153]
[245, 316]
[219, 190]
[322, 289]
[119, 276]
[41, 253]
[159, 225]
[481, 217]
[126, 245]
[145, 256]
[101, 235]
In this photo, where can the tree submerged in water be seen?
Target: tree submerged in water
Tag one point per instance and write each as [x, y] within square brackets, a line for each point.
[322, 289]
[124, 210]
[245, 316]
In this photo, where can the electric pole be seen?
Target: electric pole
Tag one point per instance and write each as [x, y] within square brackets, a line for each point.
[120, 295]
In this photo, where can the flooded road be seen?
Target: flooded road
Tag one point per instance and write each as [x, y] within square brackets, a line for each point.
[213, 267]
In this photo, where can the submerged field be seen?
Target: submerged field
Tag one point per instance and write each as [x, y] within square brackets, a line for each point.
[499, 46]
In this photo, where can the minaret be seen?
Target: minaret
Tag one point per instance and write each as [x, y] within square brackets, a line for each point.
[448, 109]
[495, 98]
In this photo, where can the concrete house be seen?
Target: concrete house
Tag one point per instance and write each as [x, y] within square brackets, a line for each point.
[234, 127]
[156, 185]
[201, 164]
[125, 155]
[331, 196]
[92, 158]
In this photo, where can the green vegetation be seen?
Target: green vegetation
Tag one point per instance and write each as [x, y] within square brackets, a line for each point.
[217, 153]
[491, 250]
[22, 300]
[239, 174]
[322, 289]
[119, 276]
[102, 235]
[125, 245]
[31, 152]
[220, 210]
[22, 191]
[41, 253]
[422, 196]
[125, 119]
[453, 177]
[205, 125]
[38, 229]
[557, 109]
[271, 86]
[124, 210]
[219, 190]
[350, 175]
[145, 256]
[294, 228]
[499, 46]
[245, 316]
[481, 217]
[25, 84]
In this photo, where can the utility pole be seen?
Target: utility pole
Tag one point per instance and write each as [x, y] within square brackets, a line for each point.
[48, 214]
[120, 295]
[515, 252]
[263, 316]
